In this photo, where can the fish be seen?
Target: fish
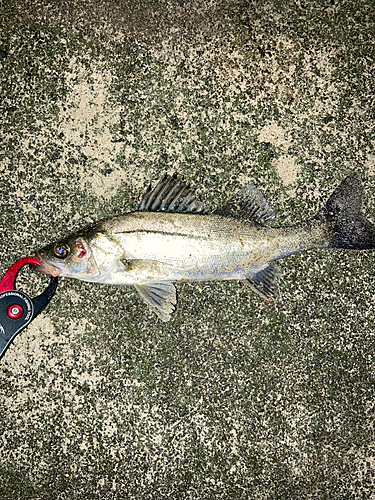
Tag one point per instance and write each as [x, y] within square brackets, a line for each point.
[172, 238]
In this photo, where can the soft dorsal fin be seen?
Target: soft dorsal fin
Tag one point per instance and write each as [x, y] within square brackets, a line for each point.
[250, 204]
[171, 195]
[160, 297]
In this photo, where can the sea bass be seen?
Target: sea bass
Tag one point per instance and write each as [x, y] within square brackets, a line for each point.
[172, 238]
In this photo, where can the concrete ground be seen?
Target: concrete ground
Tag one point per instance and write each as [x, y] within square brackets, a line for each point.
[234, 398]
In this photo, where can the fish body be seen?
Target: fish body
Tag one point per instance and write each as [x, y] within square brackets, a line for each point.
[171, 238]
[154, 246]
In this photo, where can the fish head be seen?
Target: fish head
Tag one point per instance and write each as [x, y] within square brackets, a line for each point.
[70, 257]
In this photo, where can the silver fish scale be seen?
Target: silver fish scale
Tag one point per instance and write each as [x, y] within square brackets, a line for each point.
[209, 247]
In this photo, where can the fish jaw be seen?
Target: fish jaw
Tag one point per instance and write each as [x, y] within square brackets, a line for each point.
[45, 267]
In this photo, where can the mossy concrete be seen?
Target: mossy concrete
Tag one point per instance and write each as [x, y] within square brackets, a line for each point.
[233, 398]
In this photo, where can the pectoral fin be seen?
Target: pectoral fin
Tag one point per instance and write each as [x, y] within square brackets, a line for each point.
[265, 283]
[160, 297]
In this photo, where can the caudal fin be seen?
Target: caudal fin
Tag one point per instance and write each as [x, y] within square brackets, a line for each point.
[351, 229]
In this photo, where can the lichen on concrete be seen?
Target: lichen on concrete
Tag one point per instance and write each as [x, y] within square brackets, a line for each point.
[234, 398]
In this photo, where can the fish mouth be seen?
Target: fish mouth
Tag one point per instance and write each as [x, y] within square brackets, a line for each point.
[45, 267]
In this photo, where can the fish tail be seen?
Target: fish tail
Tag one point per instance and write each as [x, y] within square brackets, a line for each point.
[351, 229]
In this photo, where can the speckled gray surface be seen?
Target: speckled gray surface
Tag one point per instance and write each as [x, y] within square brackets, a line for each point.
[234, 398]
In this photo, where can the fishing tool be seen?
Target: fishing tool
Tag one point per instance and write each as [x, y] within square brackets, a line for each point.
[17, 309]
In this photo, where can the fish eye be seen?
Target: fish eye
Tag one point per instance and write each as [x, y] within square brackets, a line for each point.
[61, 250]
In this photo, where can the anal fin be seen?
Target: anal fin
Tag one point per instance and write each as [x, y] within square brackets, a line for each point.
[266, 283]
[160, 297]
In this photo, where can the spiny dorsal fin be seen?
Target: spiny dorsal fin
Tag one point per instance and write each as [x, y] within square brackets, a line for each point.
[266, 283]
[171, 195]
[160, 297]
[248, 203]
